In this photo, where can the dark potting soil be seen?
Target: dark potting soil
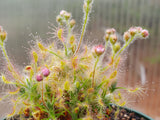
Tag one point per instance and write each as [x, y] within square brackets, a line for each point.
[110, 115]
[123, 114]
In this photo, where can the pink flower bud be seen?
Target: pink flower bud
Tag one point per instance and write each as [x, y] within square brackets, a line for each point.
[62, 12]
[45, 72]
[106, 37]
[145, 33]
[39, 77]
[113, 39]
[67, 15]
[117, 47]
[132, 31]
[59, 18]
[98, 50]
[139, 29]
[72, 23]
[126, 36]
[110, 31]
[3, 35]
[113, 30]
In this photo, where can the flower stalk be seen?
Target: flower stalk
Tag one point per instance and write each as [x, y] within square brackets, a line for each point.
[87, 9]
[94, 70]
[124, 47]
[10, 66]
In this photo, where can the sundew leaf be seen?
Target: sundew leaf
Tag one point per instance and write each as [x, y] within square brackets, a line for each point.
[48, 91]
[113, 87]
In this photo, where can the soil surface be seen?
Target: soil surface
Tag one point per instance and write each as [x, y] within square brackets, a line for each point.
[122, 115]
[110, 115]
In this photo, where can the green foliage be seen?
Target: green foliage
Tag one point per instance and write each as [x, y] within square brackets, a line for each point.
[113, 87]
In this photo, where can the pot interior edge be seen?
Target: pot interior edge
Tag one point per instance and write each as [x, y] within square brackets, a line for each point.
[139, 113]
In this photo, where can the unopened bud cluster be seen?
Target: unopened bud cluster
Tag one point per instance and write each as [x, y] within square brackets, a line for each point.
[110, 36]
[65, 18]
[130, 35]
[137, 32]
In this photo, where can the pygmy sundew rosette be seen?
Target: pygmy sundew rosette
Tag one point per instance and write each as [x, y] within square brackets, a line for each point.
[66, 83]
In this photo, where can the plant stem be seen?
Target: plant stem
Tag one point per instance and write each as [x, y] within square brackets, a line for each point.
[43, 98]
[94, 70]
[14, 73]
[105, 69]
[122, 49]
[5, 53]
[66, 53]
[106, 45]
[42, 93]
[74, 73]
[86, 17]
[113, 55]
[69, 31]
